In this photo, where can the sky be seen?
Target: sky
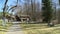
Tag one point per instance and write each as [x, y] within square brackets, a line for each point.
[12, 2]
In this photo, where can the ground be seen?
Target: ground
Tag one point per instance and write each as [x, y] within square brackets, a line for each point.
[31, 29]
[40, 29]
[15, 29]
[3, 29]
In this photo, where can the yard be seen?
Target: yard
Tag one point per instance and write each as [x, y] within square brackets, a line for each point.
[40, 29]
[4, 28]
[34, 28]
[1, 32]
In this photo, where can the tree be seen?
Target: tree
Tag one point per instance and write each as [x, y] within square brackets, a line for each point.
[32, 8]
[59, 2]
[26, 6]
[4, 8]
[1, 15]
[59, 13]
[16, 8]
[5, 4]
[47, 11]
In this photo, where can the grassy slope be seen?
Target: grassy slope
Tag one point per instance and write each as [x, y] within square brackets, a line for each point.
[40, 29]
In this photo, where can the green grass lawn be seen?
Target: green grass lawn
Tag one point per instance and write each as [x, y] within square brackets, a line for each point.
[40, 29]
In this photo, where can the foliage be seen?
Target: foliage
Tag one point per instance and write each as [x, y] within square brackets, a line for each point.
[47, 10]
[59, 2]
[59, 13]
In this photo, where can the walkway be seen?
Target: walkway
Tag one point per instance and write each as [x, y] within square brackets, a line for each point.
[15, 29]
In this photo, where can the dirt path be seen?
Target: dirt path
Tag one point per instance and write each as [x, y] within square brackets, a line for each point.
[15, 29]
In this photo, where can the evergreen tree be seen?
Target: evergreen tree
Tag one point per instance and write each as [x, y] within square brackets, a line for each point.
[59, 13]
[59, 2]
[47, 11]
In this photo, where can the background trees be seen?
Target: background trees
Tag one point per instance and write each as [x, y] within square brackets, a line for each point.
[59, 13]
[59, 2]
[47, 11]
[32, 8]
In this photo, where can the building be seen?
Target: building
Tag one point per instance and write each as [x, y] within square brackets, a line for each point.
[25, 18]
[21, 18]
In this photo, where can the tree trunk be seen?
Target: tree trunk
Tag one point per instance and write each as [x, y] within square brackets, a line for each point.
[59, 16]
[4, 23]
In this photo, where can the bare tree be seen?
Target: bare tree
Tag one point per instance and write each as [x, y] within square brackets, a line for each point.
[5, 4]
